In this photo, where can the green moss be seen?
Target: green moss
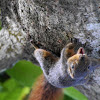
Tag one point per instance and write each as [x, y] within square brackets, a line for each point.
[15, 35]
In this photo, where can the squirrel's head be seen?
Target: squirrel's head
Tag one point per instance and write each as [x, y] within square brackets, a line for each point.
[78, 64]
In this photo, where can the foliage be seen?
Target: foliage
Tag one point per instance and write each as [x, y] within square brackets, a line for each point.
[22, 77]
[25, 72]
[74, 93]
[12, 90]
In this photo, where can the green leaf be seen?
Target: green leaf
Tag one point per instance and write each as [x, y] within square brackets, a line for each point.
[10, 84]
[74, 93]
[8, 87]
[3, 95]
[13, 95]
[25, 72]
[13, 91]
[67, 98]
[25, 91]
[1, 87]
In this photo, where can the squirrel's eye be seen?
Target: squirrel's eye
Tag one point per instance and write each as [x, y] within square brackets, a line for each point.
[88, 67]
[72, 66]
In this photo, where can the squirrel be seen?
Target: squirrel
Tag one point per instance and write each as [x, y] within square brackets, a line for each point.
[70, 69]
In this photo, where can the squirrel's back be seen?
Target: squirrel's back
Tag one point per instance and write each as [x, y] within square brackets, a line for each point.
[45, 91]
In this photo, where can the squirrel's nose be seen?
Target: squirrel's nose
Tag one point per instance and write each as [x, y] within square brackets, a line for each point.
[82, 57]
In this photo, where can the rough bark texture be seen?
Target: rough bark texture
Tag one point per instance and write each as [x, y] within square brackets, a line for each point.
[50, 24]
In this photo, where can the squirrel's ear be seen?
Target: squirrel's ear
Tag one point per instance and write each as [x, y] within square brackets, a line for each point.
[81, 51]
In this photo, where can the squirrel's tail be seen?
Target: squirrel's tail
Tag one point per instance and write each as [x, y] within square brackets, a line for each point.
[45, 91]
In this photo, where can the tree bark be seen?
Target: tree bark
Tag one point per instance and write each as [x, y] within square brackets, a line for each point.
[50, 24]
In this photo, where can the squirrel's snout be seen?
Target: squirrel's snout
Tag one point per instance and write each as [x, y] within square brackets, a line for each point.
[82, 58]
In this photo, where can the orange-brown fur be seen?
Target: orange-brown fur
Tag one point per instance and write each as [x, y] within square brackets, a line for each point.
[70, 50]
[47, 54]
[44, 91]
[73, 58]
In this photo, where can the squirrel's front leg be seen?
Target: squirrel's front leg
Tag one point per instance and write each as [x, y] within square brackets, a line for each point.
[67, 51]
[45, 59]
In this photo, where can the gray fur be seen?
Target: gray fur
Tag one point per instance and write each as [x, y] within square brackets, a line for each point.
[56, 72]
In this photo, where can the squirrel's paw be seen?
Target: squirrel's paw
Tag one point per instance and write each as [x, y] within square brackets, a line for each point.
[70, 46]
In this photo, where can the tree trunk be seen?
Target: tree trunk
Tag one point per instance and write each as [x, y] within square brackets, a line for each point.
[50, 24]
